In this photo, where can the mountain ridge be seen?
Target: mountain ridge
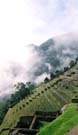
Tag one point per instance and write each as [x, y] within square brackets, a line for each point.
[54, 94]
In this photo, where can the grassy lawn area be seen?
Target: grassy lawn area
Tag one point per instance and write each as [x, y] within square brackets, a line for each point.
[63, 123]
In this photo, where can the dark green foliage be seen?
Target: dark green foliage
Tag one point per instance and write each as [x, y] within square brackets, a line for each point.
[58, 72]
[75, 100]
[23, 105]
[22, 90]
[27, 103]
[46, 80]
[45, 89]
[52, 76]
[72, 63]
[69, 75]
[73, 73]
[3, 110]
[42, 91]
[38, 94]
[77, 59]
[48, 87]
[66, 68]
[20, 107]
[67, 87]
[74, 92]
[30, 100]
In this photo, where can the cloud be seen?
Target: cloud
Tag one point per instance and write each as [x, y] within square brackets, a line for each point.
[31, 21]
[26, 21]
[33, 63]
[41, 78]
[20, 69]
[53, 17]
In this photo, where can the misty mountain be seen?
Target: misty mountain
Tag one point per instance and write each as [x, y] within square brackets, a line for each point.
[38, 61]
[55, 53]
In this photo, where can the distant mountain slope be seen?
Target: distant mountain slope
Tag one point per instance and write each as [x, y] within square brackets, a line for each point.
[55, 53]
[49, 97]
[36, 62]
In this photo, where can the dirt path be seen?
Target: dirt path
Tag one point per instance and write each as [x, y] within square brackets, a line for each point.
[73, 131]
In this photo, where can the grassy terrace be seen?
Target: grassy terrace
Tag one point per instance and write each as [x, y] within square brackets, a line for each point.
[63, 123]
[47, 97]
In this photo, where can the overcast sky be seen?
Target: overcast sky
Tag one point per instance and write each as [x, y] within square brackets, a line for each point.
[33, 21]
[23, 22]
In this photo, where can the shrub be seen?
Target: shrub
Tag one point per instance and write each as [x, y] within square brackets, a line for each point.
[48, 87]
[73, 73]
[23, 105]
[27, 103]
[45, 89]
[52, 76]
[46, 80]
[30, 100]
[74, 92]
[38, 94]
[66, 87]
[20, 107]
[66, 68]
[42, 91]
[72, 63]
[77, 59]
[75, 100]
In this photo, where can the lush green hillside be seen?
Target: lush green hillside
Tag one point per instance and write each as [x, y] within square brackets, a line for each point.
[49, 96]
[63, 123]
[21, 91]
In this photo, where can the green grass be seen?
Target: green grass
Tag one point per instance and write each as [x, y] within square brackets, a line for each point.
[51, 100]
[63, 123]
[42, 124]
[5, 133]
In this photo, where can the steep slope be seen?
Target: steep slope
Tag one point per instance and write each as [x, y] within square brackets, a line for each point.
[64, 123]
[48, 97]
[56, 52]
[35, 62]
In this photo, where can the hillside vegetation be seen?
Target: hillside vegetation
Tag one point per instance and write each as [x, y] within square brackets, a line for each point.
[47, 97]
[64, 123]
[21, 91]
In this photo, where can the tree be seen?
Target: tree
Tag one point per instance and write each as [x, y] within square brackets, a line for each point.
[72, 63]
[76, 59]
[66, 68]
[19, 86]
[22, 90]
[58, 72]
[46, 80]
[52, 75]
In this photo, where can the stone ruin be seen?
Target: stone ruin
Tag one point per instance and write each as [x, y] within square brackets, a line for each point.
[29, 125]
